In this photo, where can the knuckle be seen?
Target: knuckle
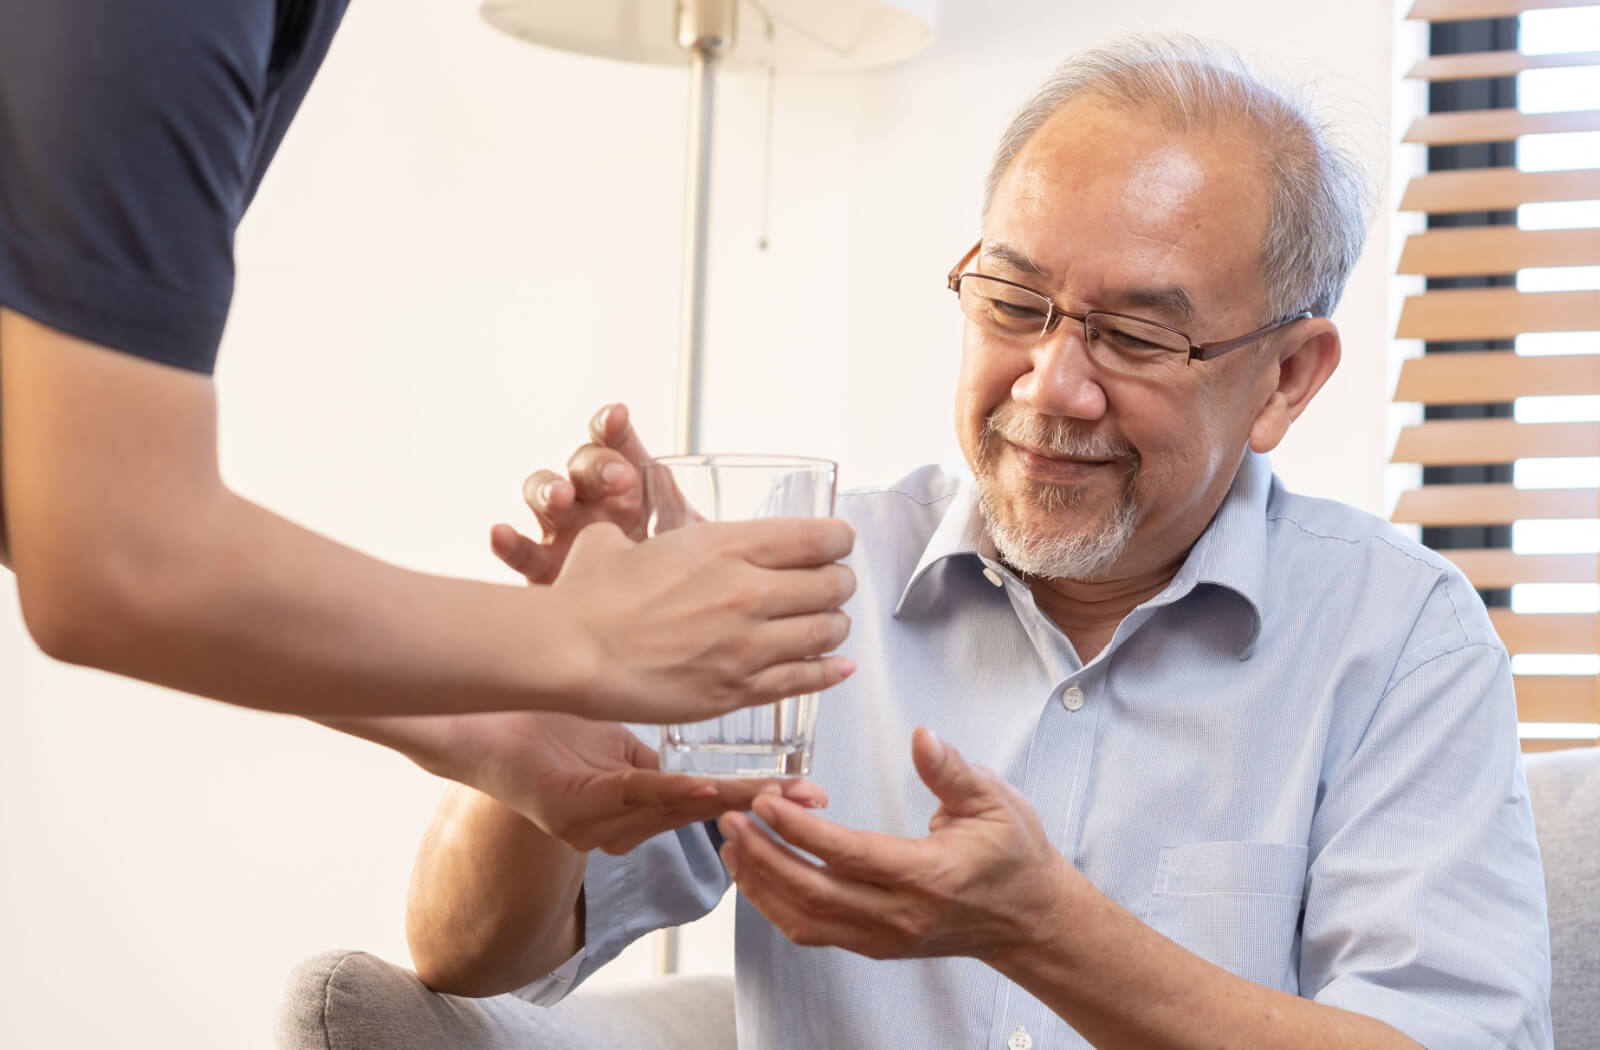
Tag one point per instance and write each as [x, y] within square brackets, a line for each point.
[841, 628]
[748, 597]
[824, 632]
[909, 927]
[579, 456]
[853, 859]
[802, 677]
[533, 488]
[839, 539]
[812, 898]
[804, 936]
[813, 678]
[844, 583]
[817, 545]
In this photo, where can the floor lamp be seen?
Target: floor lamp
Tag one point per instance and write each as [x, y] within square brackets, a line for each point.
[791, 35]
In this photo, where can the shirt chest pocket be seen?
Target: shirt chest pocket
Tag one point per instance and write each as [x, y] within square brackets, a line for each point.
[1236, 904]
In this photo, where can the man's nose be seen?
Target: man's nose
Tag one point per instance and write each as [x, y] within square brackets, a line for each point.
[1062, 380]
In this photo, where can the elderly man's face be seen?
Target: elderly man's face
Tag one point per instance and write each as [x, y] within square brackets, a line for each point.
[1090, 475]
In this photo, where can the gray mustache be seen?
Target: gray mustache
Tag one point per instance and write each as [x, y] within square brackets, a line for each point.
[1059, 437]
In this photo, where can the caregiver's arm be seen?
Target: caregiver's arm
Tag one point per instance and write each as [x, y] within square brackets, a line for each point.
[132, 556]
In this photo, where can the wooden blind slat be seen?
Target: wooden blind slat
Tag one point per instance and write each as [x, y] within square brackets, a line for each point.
[1492, 189]
[1554, 745]
[1461, 10]
[1546, 632]
[1495, 375]
[1496, 249]
[1499, 377]
[1460, 442]
[1491, 569]
[1496, 125]
[1495, 64]
[1557, 698]
[1492, 504]
[1496, 313]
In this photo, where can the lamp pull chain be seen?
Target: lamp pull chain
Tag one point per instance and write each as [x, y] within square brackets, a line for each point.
[763, 241]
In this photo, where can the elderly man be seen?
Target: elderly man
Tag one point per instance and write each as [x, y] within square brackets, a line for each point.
[1255, 777]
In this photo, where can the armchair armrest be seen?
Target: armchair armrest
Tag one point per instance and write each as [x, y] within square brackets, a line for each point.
[347, 1000]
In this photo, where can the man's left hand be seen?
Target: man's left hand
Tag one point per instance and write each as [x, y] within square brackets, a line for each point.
[984, 882]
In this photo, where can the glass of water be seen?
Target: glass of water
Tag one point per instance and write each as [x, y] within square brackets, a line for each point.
[770, 740]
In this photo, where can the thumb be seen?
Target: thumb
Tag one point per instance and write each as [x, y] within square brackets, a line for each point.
[600, 539]
[537, 562]
[963, 790]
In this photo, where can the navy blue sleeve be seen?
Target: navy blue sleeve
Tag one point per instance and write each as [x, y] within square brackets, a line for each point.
[132, 136]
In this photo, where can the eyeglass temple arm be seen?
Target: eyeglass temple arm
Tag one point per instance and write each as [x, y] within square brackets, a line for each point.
[1208, 351]
[954, 279]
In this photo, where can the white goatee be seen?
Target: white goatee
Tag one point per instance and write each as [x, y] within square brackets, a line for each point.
[1087, 555]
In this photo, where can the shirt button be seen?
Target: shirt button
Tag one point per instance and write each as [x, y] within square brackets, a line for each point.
[1072, 698]
[993, 577]
[1020, 1039]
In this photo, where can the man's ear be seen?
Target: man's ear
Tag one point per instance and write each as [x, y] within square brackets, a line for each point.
[1304, 361]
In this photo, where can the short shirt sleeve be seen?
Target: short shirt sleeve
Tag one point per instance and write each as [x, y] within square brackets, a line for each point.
[671, 879]
[132, 136]
[1425, 901]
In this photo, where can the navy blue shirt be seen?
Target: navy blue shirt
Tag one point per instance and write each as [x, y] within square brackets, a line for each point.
[133, 135]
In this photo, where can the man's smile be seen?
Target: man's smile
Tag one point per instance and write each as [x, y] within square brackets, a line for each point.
[1055, 467]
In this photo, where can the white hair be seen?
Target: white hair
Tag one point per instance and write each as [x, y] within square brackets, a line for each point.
[1320, 193]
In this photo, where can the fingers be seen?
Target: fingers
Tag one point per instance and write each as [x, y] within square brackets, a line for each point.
[649, 803]
[788, 543]
[799, 637]
[611, 427]
[791, 592]
[807, 794]
[809, 904]
[553, 501]
[963, 788]
[604, 469]
[536, 562]
[794, 679]
[603, 473]
[863, 855]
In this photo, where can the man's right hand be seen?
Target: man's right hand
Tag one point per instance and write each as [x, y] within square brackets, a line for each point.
[603, 482]
[697, 621]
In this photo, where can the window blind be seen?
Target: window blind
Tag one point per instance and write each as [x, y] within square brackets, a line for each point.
[1509, 443]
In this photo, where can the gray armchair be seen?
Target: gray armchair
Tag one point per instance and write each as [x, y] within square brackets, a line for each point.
[355, 1001]
[343, 1000]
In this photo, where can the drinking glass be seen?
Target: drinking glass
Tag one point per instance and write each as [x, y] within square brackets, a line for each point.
[769, 740]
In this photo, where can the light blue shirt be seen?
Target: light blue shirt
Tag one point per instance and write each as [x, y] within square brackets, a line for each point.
[1298, 761]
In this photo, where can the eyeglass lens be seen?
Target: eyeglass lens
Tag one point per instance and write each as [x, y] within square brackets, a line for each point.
[1021, 315]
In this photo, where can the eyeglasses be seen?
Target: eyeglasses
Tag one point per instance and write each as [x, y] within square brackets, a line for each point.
[1116, 342]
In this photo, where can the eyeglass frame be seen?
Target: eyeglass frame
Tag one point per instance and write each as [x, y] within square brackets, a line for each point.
[1197, 351]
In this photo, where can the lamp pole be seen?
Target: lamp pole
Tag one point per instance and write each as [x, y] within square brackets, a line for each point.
[705, 30]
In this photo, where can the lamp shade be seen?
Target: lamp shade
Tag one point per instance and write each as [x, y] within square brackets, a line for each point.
[791, 35]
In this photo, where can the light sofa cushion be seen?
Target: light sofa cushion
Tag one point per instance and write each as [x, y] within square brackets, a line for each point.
[1565, 786]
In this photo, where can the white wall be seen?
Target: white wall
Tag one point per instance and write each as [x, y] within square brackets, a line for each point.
[466, 246]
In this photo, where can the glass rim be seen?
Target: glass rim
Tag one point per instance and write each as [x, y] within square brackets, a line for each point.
[749, 460]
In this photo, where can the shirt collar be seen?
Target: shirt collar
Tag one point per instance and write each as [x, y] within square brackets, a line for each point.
[961, 536]
[1231, 553]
